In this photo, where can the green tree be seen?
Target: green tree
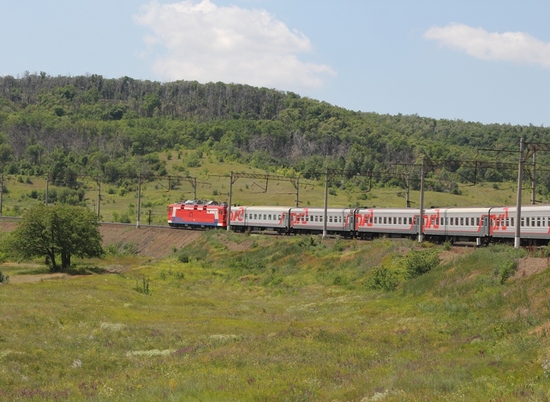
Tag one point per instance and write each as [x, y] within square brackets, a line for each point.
[57, 231]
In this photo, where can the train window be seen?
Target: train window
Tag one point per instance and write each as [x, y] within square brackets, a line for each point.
[538, 222]
[527, 221]
[477, 221]
[461, 221]
[320, 219]
[400, 221]
[522, 221]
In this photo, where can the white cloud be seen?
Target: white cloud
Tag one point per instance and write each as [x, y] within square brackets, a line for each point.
[517, 47]
[206, 43]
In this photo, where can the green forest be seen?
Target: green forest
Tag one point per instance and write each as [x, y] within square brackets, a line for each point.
[66, 127]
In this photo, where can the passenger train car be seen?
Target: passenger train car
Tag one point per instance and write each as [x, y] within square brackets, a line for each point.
[438, 224]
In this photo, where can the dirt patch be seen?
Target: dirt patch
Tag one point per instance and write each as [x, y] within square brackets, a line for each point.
[155, 242]
[449, 256]
[530, 265]
[37, 278]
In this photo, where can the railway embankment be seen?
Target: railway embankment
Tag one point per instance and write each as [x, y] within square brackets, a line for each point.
[150, 241]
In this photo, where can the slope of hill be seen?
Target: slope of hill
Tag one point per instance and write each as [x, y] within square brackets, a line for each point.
[293, 317]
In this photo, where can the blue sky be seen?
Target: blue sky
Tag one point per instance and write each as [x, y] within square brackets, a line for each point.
[484, 60]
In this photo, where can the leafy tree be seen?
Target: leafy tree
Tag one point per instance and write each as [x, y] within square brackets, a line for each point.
[57, 231]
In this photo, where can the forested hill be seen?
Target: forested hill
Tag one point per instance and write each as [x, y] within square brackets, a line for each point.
[116, 127]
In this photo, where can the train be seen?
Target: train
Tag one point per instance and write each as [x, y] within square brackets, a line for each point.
[480, 224]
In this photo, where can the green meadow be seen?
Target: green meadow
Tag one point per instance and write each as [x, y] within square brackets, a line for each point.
[244, 318]
[208, 178]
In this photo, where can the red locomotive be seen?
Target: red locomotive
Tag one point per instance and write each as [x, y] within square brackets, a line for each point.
[197, 214]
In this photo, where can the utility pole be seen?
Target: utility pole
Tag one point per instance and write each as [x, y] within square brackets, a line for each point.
[46, 195]
[297, 191]
[98, 197]
[230, 200]
[408, 190]
[517, 240]
[1, 192]
[421, 215]
[534, 178]
[326, 205]
[138, 201]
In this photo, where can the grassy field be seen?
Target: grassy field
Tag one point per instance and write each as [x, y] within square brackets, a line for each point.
[119, 203]
[234, 317]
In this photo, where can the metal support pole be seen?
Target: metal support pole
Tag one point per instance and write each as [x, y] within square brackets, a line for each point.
[326, 205]
[138, 201]
[408, 190]
[1, 192]
[46, 195]
[534, 179]
[297, 192]
[230, 200]
[98, 197]
[421, 214]
[517, 239]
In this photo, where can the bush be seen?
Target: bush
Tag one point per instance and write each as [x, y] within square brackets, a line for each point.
[4, 278]
[505, 271]
[383, 279]
[417, 263]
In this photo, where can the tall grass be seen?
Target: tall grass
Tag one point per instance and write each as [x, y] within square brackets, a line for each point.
[286, 319]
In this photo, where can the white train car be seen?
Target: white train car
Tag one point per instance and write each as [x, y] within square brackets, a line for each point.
[311, 220]
[456, 223]
[260, 218]
[371, 222]
[535, 222]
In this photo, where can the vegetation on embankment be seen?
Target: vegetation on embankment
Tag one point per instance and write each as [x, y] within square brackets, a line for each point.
[235, 317]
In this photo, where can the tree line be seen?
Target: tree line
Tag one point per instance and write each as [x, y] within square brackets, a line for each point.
[68, 126]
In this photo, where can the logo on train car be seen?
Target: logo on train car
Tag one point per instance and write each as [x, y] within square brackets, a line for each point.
[365, 219]
[237, 214]
[500, 221]
[299, 218]
[432, 220]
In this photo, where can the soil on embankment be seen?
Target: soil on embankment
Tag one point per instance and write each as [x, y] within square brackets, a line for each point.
[155, 242]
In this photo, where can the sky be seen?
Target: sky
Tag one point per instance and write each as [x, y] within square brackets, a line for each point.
[484, 61]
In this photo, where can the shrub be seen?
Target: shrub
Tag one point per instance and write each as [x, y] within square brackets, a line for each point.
[383, 279]
[417, 263]
[4, 278]
[505, 271]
